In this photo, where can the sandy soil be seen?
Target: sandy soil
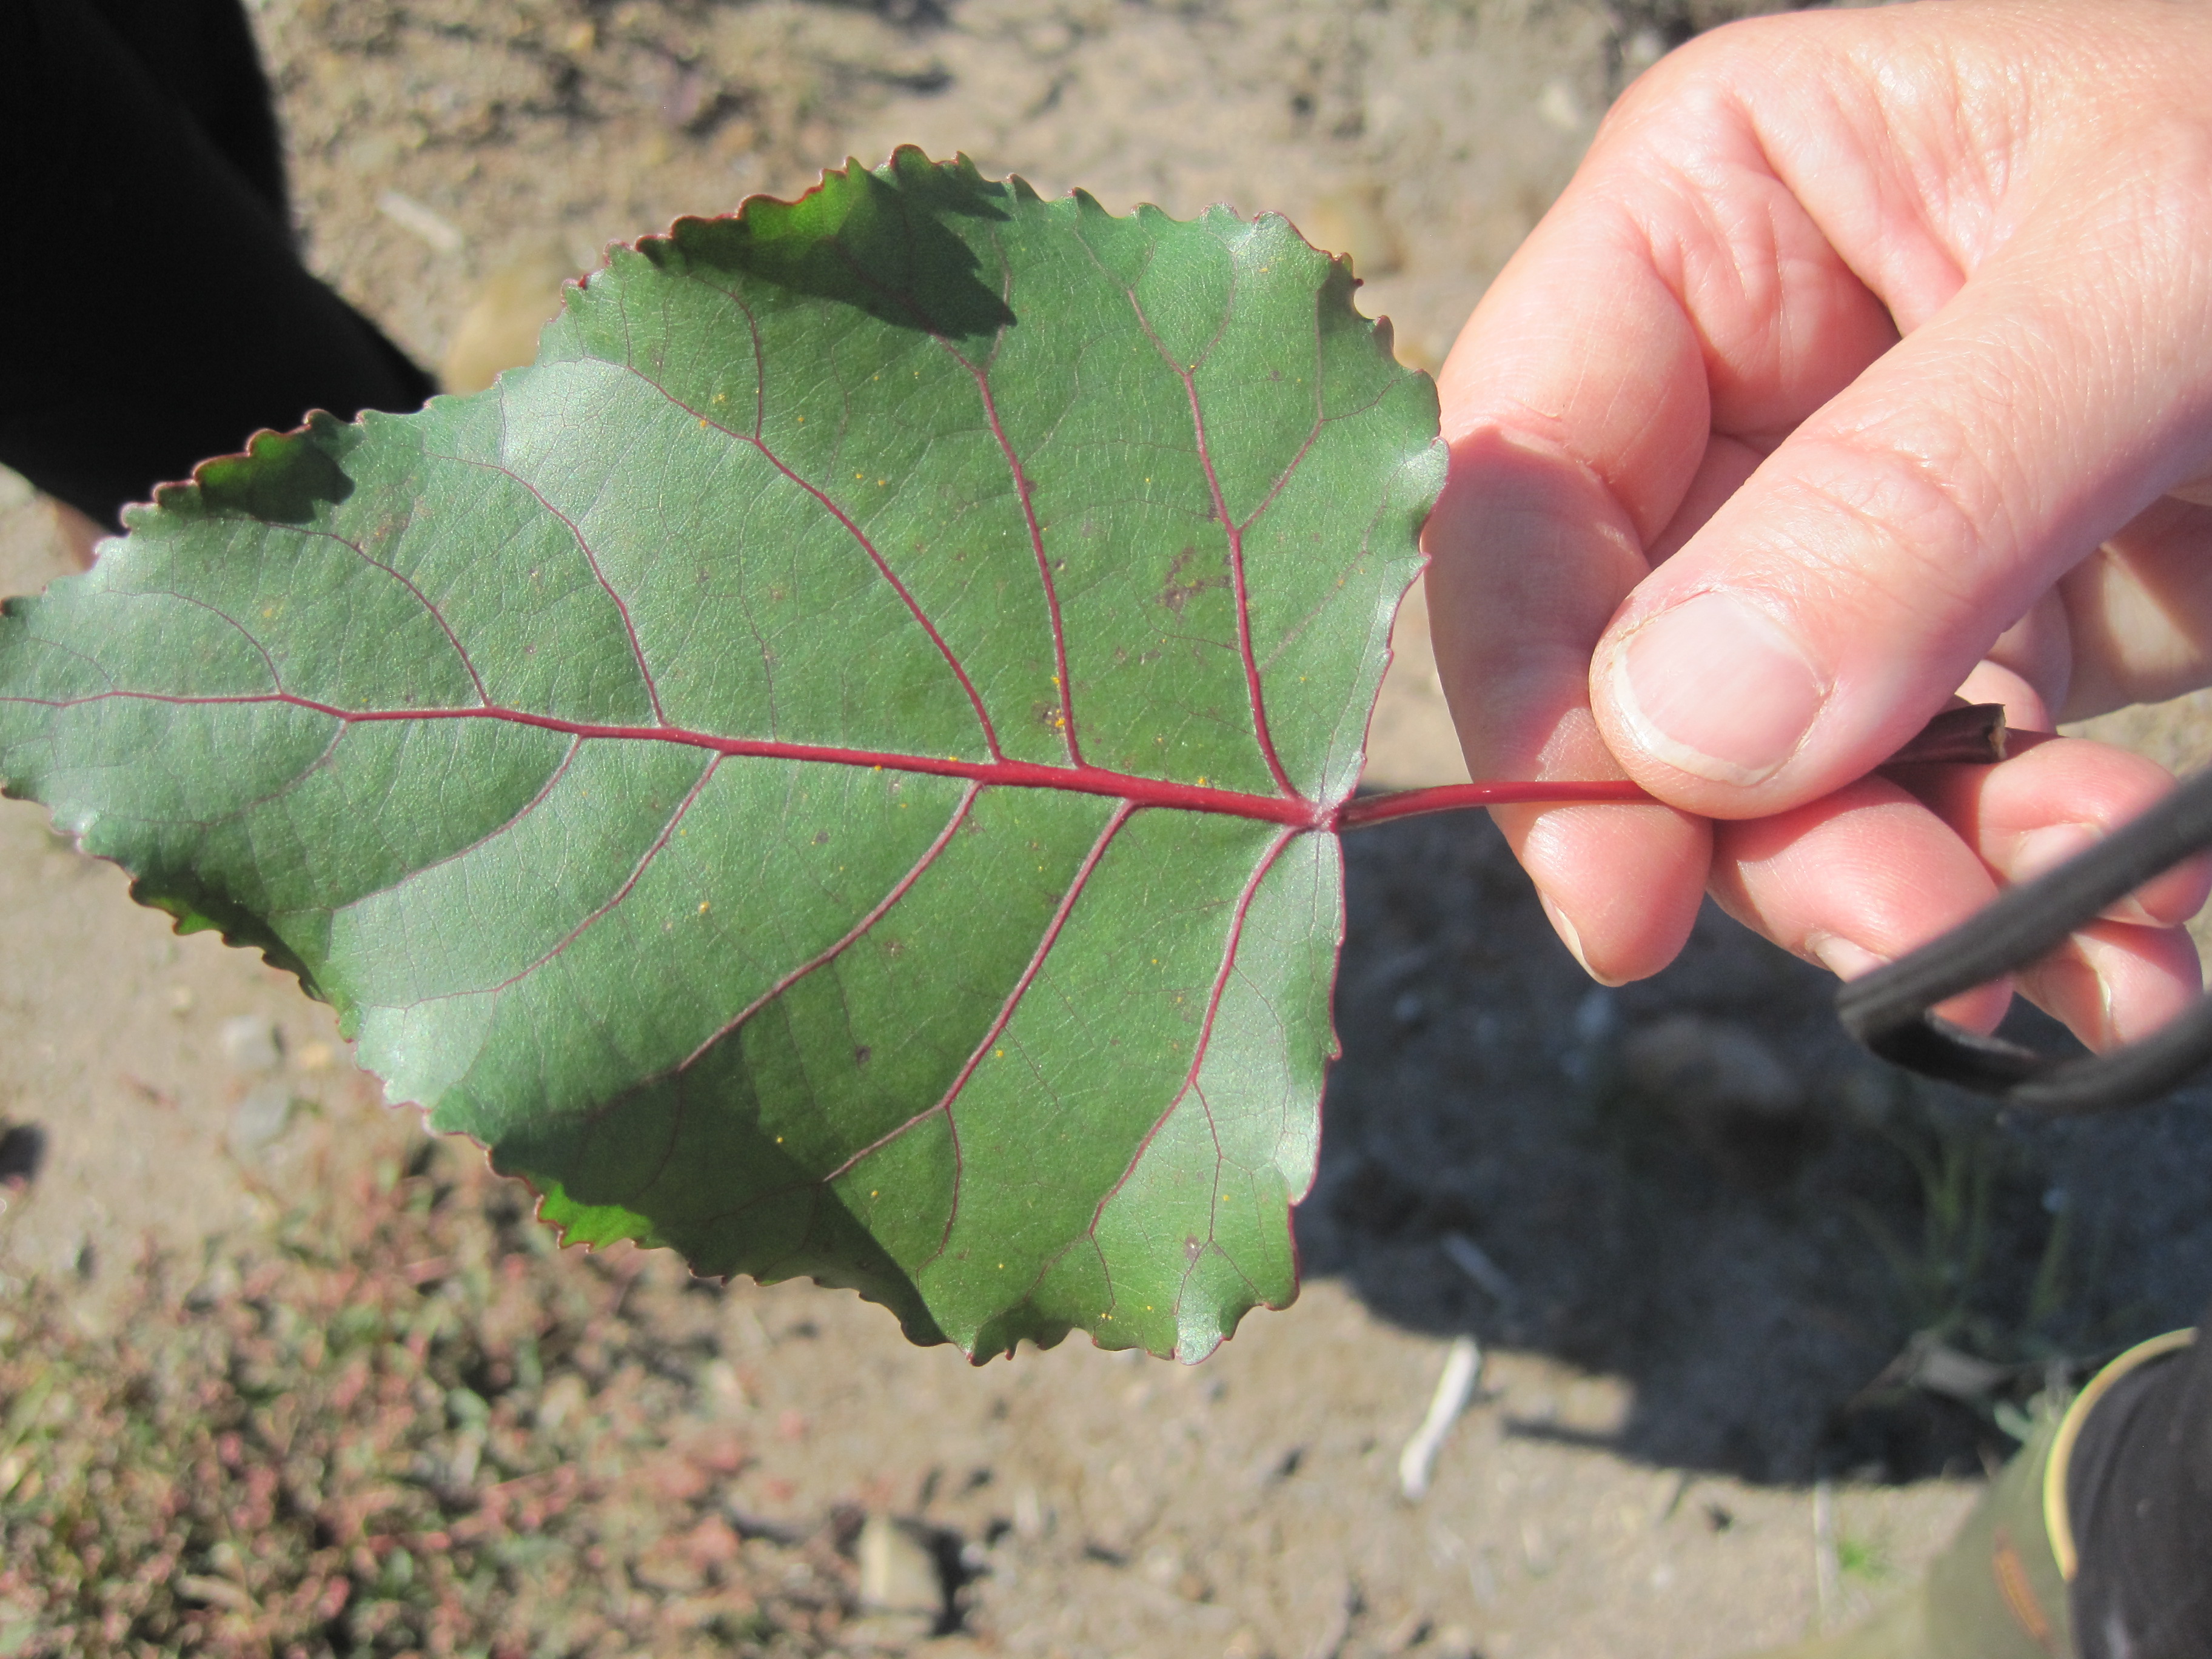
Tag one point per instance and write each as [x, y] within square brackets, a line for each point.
[1689, 1424]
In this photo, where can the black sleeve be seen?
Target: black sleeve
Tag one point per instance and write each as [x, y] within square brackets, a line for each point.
[2139, 1489]
[155, 312]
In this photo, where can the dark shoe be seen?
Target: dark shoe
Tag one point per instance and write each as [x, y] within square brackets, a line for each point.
[1999, 1590]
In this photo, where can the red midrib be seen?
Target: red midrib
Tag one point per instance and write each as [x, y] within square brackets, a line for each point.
[1294, 811]
[1020, 775]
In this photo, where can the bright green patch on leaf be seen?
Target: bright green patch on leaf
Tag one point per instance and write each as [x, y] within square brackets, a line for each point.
[832, 769]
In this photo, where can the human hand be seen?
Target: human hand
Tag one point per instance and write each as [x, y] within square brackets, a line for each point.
[1713, 522]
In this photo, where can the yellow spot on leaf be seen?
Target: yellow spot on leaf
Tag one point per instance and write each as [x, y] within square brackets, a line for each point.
[702, 906]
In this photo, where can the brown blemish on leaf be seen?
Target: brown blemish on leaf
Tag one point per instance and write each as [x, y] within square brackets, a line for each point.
[1182, 587]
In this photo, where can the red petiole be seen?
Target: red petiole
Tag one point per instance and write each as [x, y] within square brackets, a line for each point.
[1972, 734]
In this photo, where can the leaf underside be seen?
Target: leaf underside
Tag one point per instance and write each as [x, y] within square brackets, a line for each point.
[829, 770]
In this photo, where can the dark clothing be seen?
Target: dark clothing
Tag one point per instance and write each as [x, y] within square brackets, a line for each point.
[2139, 1489]
[155, 310]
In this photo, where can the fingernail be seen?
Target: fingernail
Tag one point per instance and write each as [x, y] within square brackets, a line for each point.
[1571, 939]
[2040, 851]
[1842, 959]
[1717, 687]
[2057, 982]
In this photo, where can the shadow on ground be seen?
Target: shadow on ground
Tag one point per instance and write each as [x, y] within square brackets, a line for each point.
[1699, 1184]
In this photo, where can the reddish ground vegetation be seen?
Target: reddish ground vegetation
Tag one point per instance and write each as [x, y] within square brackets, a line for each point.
[403, 1429]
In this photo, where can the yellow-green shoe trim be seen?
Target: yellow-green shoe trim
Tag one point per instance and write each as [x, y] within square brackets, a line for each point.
[2058, 1524]
[1999, 1590]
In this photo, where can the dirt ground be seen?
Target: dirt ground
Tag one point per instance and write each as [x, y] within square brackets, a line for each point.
[1692, 1231]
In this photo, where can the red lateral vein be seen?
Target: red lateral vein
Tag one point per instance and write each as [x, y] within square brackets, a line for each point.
[275, 679]
[857, 930]
[421, 598]
[545, 792]
[1061, 684]
[1284, 478]
[275, 794]
[883, 566]
[1206, 1027]
[601, 911]
[1235, 534]
[591, 559]
[1313, 433]
[1044, 565]
[1007, 1009]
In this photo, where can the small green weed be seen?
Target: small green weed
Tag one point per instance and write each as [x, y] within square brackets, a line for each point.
[2001, 1267]
[1863, 1560]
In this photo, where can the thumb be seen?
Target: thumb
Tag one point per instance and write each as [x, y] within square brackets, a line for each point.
[1831, 606]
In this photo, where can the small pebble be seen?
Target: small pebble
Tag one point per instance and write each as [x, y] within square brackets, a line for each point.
[898, 1571]
[260, 1120]
[1641, 50]
[250, 1043]
[1559, 107]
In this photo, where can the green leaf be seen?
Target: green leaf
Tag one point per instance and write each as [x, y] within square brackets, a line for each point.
[662, 760]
